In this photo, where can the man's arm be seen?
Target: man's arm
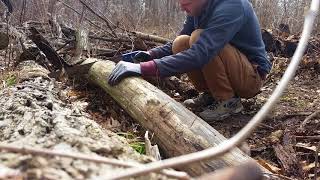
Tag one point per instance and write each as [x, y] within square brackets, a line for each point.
[166, 50]
[221, 29]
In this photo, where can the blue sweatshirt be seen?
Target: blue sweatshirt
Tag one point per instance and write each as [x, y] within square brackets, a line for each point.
[223, 21]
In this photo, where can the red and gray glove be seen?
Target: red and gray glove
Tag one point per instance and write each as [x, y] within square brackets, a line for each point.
[126, 67]
[122, 70]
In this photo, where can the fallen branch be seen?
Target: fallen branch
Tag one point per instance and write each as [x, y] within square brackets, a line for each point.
[47, 49]
[309, 137]
[110, 39]
[310, 117]
[150, 37]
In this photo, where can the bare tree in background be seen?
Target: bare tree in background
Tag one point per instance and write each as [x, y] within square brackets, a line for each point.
[273, 13]
[162, 17]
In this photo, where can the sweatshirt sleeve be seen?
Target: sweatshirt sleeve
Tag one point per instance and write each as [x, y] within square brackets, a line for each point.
[223, 25]
[166, 50]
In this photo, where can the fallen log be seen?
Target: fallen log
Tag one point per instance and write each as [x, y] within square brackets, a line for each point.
[177, 130]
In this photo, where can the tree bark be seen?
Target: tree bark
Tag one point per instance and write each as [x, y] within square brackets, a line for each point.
[178, 131]
[33, 114]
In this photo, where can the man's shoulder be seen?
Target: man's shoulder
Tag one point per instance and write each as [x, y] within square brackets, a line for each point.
[229, 7]
[236, 5]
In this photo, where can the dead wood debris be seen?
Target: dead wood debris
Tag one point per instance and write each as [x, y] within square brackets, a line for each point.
[285, 45]
[32, 114]
[313, 115]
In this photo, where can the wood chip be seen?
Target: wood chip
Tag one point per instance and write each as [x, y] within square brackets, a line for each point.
[309, 167]
[269, 167]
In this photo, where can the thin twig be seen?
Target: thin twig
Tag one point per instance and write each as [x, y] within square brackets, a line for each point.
[310, 117]
[266, 126]
[110, 39]
[228, 145]
[96, 159]
[308, 137]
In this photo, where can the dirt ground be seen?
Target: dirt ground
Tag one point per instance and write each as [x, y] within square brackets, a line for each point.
[279, 144]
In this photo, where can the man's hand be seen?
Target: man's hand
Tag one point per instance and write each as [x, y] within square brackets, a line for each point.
[139, 56]
[122, 70]
[142, 56]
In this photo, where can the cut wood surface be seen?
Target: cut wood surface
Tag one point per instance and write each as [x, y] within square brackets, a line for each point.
[178, 131]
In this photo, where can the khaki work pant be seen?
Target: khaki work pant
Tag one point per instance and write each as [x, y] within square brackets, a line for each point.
[227, 75]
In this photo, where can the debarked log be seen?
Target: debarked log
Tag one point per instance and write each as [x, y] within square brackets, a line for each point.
[177, 130]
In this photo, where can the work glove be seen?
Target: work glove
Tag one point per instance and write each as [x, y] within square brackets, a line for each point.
[142, 56]
[136, 56]
[122, 70]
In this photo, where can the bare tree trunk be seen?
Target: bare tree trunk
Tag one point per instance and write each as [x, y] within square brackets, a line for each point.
[23, 10]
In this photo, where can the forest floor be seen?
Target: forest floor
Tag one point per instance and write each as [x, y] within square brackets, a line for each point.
[282, 143]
